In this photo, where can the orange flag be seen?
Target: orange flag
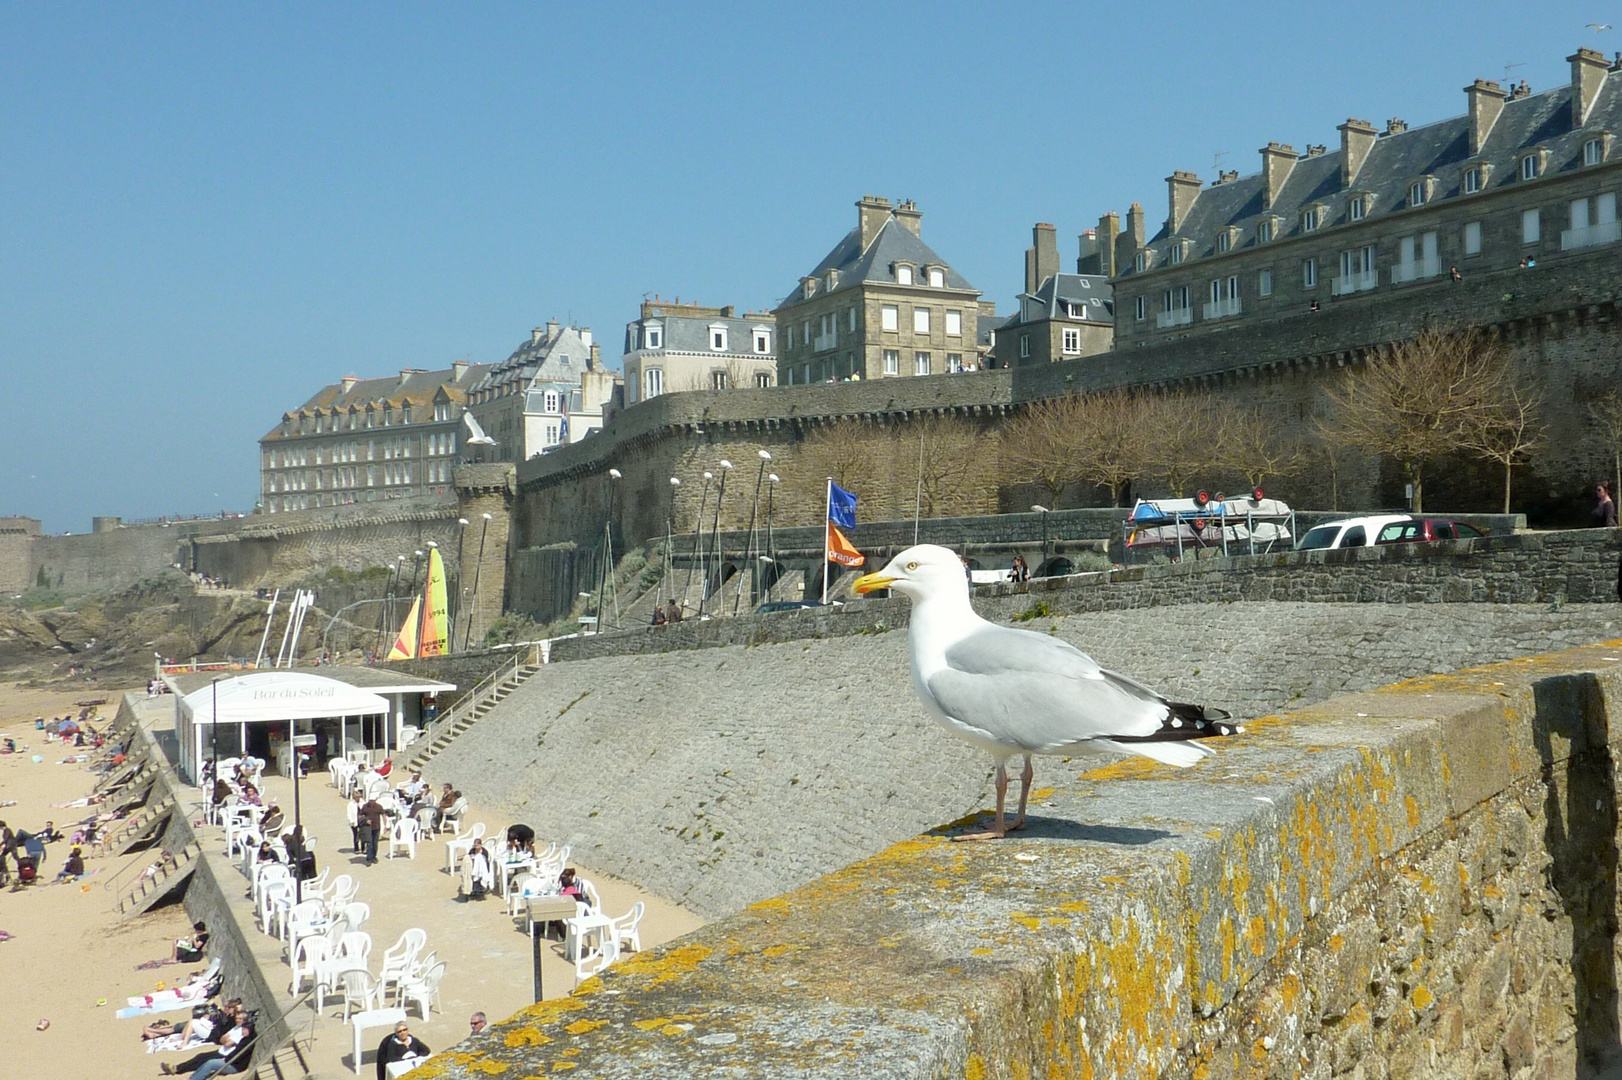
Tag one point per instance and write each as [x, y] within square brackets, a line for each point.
[841, 550]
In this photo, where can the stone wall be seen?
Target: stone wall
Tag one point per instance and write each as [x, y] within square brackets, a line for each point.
[16, 538]
[1414, 882]
[465, 669]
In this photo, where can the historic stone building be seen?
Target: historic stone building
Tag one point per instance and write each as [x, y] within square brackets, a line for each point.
[881, 304]
[549, 392]
[675, 346]
[1059, 316]
[1520, 179]
[366, 440]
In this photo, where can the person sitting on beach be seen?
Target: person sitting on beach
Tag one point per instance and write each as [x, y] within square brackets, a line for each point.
[235, 1047]
[50, 834]
[204, 1023]
[190, 950]
[73, 868]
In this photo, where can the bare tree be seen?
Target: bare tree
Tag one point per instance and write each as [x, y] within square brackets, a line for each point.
[1115, 439]
[956, 470]
[1508, 430]
[1040, 444]
[1606, 411]
[1422, 399]
[854, 453]
[1255, 447]
[1183, 438]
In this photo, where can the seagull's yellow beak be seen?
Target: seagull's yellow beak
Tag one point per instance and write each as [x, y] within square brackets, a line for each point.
[871, 582]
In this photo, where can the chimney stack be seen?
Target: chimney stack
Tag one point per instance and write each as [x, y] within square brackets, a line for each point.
[1087, 252]
[872, 211]
[1182, 188]
[1109, 229]
[552, 328]
[909, 215]
[1486, 102]
[1132, 236]
[1042, 260]
[536, 335]
[458, 369]
[1277, 161]
[1396, 126]
[348, 382]
[1356, 139]
[1587, 73]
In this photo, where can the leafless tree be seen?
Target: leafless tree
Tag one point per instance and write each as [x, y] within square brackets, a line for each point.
[1251, 445]
[1116, 439]
[1422, 399]
[1508, 430]
[956, 470]
[1040, 444]
[854, 453]
[1184, 439]
[1606, 411]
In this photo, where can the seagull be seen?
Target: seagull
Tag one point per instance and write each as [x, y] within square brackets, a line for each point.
[1011, 691]
[1599, 27]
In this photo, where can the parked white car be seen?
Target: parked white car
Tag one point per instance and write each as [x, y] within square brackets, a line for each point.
[1347, 533]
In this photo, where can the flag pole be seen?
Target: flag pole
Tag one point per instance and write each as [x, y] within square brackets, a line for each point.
[827, 523]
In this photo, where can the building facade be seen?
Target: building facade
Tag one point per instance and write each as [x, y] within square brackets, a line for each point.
[1059, 316]
[549, 392]
[882, 304]
[1520, 179]
[367, 440]
[676, 346]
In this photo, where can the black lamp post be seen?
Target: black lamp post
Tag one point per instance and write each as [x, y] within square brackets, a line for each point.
[749, 545]
[715, 541]
[461, 533]
[467, 642]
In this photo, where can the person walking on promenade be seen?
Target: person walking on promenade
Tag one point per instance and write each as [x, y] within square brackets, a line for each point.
[1603, 516]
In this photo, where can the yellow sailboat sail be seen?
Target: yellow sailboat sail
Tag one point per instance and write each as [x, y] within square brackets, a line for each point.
[427, 628]
[434, 640]
[405, 645]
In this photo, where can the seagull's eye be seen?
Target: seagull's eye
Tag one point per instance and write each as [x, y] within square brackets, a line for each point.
[912, 566]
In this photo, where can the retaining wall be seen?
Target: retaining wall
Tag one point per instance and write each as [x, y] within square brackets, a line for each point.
[1414, 882]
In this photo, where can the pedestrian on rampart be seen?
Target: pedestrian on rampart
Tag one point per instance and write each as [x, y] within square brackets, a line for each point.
[1603, 515]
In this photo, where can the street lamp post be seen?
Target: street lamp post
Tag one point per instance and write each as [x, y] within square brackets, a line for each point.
[698, 539]
[467, 642]
[461, 532]
[670, 534]
[715, 541]
[614, 476]
[749, 544]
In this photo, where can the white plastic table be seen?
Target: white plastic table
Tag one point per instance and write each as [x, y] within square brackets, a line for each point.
[595, 923]
[372, 1018]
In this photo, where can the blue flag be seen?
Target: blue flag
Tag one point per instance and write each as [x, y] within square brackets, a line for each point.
[841, 506]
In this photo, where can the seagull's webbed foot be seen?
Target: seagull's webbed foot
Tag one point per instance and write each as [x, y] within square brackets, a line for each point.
[999, 827]
[988, 834]
[1024, 793]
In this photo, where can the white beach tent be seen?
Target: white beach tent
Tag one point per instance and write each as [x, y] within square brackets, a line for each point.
[267, 697]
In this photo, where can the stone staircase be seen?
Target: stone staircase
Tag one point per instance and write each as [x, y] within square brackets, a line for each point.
[121, 837]
[171, 874]
[291, 1061]
[496, 688]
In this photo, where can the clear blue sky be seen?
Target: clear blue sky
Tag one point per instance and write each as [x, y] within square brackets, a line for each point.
[207, 211]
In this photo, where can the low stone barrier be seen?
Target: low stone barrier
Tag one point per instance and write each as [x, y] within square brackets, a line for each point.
[1422, 879]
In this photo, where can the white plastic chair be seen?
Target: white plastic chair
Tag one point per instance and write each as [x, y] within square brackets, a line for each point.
[572, 932]
[265, 873]
[460, 844]
[359, 989]
[624, 929]
[355, 945]
[311, 952]
[451, 820]
[594, 962]
[399, 960]
[308, 919]
[274, 900]
[422, 990]
[343, 892]
[590, 892]
[404, 834]
[356, 914]
[524, 886]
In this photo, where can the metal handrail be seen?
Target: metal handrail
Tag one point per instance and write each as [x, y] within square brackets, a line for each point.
[472, 698]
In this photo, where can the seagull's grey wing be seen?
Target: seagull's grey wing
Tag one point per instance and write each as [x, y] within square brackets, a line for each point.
[1038, 693]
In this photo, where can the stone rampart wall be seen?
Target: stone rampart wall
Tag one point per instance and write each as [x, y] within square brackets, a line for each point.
[1420, 881]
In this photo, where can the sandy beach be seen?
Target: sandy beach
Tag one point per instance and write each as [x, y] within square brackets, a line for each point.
[75, 951]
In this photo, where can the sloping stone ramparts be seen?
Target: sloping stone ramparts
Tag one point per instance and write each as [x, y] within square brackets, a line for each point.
[1422, 879]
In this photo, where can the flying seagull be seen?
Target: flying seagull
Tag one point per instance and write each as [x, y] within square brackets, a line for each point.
[1599, 27]
[1011, 691]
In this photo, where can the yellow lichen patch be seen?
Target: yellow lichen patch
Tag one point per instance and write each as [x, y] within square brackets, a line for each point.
[672, 1029]
[649, 1025]
[776, 906]
[1113, 879]
[1133, 768]
[774, 951]
[1336, 943]
[1076, 906]
[980, 952]
[1422, 998]
[564, 1066]
[549, 1010]
[488, 1067]
[1029, 922]
[1043, 793]
[573, 1051]
[526, 1036]
[667, 966]
[1413, 811]
[1256, 935]
[581, 1027]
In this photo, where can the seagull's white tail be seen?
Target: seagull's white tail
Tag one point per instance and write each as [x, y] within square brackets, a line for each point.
[1181, 753]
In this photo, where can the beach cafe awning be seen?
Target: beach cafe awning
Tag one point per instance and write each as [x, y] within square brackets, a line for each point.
[279, 696]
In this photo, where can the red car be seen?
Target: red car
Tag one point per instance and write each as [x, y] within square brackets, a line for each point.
[1425, 530]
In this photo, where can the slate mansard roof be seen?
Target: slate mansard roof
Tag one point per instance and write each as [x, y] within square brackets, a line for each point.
[1394, 163]
[559, 354]
[1090, 293]
[687, 333]
[417, 388]
[894, 243]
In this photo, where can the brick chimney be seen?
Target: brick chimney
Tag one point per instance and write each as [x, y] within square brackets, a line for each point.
[1486, 102]
[872, 211]
[1182, 188]
[536, 335]
[1277, 161]
[348, 382]
[1042, 259]
[1109, 229]
[1587, 74]
[913, 218]
[1356, 139]
[1132, 236]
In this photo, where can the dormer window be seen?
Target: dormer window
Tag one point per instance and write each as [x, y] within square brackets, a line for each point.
[903, 273]
[1532, 165]
[1594, 150]
[1419, 192]
[1470, 183]
[1356, 207]
[1225, 239]
[809, 287]
[763, 340]
[1266, 228]
[1141, 262]
[1177, 250]
[937, 277]
[1309, 219]
[831, 280]
[718, 337]
[550, 402]
[653, 336]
